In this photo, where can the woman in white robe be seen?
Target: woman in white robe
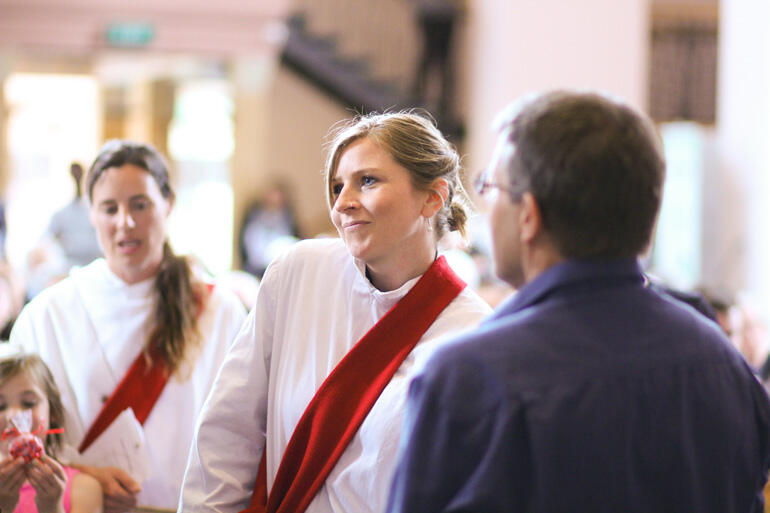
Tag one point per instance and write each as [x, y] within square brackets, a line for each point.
[92, 326]
[394, 191]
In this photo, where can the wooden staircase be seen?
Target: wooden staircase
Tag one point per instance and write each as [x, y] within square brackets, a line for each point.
[362, 53]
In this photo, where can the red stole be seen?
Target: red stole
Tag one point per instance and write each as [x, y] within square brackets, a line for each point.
[139, 389]
[343, 401]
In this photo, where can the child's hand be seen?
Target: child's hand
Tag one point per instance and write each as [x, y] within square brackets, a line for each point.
[11, 478]
[48, 479]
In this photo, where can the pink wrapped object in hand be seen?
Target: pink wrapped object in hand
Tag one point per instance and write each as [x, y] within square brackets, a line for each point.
[26, 445]
[21, 440]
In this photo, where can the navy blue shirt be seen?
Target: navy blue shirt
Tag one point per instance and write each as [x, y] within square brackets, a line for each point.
[586, 392]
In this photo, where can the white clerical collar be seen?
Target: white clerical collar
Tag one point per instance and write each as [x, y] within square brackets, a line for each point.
[111, 281]
[377, 294]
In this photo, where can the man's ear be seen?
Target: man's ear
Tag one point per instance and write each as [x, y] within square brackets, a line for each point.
[530, 218]
[437, 196]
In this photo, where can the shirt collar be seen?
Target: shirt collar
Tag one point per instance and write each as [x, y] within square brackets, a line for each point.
[109, 282]
[390, 297]
[568, 273]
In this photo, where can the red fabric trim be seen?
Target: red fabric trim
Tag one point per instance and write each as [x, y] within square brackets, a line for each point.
[139, 389]
[345, 398]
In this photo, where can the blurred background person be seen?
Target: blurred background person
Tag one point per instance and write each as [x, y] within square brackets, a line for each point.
[69, 240]
[749, 334]
[744, 327]
[434, 79]
[71, 228]
[269, 228]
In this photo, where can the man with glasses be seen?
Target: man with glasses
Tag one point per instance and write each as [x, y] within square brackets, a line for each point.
[586, 391]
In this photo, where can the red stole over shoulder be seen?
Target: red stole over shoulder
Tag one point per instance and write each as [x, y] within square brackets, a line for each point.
[343, 401]
[139, 389]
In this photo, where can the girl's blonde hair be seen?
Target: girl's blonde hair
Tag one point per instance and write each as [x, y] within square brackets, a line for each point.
[414, 142]
[35, 368]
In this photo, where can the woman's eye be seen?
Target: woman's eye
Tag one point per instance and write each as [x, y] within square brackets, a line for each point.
[368, 180]
[336, 189]
[141, 204]
[28, 405]
[111, 210]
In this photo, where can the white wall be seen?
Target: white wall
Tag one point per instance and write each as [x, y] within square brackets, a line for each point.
[743, 131]
[518, 46]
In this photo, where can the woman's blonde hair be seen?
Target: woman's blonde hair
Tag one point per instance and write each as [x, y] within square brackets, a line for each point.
[35, 369]
[414, 142]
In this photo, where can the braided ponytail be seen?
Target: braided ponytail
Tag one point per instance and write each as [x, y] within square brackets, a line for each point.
[175, 333]
[178, 299]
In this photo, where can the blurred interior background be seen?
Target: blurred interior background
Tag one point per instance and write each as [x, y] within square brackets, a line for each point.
[240, 94]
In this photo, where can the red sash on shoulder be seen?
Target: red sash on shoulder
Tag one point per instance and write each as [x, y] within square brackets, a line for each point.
[139, 389]
[343, 401]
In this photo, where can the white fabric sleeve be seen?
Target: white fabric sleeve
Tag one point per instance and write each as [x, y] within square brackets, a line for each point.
[23, 332]
[35, 326]
[230, 436]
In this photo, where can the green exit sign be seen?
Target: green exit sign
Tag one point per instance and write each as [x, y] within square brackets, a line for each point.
[130, 34]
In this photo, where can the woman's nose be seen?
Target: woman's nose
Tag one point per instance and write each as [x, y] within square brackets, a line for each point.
[346, 200]
[126, 219]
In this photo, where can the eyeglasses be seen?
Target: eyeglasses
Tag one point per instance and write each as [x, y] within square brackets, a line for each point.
[484, 185]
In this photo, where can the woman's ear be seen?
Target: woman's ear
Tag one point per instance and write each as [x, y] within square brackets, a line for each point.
[437, 196]
[171, 199]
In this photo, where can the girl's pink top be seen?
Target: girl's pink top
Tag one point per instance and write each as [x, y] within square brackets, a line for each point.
[26, 502]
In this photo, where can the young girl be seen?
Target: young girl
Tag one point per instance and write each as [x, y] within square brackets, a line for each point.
[40, 485]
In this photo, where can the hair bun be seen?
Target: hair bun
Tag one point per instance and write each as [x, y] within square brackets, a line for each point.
[457, 218]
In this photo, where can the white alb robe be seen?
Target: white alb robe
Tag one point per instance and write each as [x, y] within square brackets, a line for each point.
[90, 327]
[314, 304]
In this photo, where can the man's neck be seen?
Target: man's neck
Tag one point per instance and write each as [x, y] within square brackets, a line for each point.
[540, 258]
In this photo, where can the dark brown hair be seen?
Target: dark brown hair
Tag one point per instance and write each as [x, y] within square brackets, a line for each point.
[174, 331]
[35, 369]
[594, 166]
